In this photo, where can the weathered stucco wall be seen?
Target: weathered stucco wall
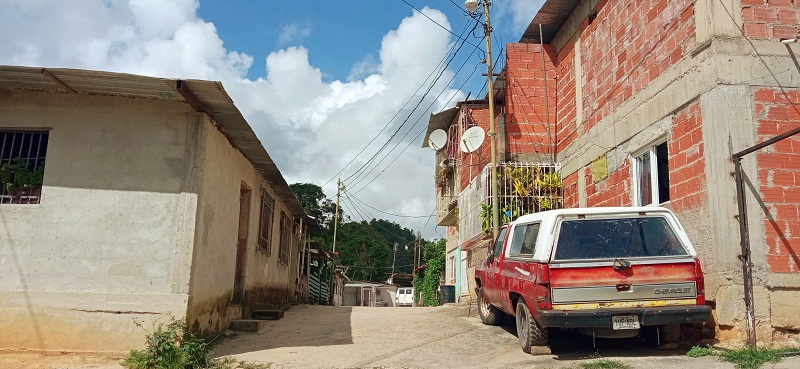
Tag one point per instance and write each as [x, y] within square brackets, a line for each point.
[223, 170]
[110, 241]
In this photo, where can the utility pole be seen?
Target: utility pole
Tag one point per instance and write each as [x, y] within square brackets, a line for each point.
[492, 132]
[394, 257]
[339, 189]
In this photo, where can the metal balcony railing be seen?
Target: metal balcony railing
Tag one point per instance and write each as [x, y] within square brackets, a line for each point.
[523, 188]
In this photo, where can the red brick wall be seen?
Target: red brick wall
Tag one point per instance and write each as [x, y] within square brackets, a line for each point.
[471, 164]
[526, 114]
[772, 19]
[686, 164]
[615, 190]
[628, 45]
[779, 177]
[565, 100]
[570, 190]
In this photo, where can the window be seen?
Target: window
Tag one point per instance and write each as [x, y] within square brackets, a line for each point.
[617, 238]
[22, 155]
[265, 223]
[498, 244]
[286, 237]
[452, 268]
[524, 241]
[651, 176]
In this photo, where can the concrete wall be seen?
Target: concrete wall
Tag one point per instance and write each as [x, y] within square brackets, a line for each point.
[223, 170]
[111, 240]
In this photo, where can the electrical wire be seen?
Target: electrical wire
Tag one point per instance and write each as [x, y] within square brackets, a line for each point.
[374, 218]
[437, 23]
[435, 69]
[418, 134]
[360, 173]
[384, 212]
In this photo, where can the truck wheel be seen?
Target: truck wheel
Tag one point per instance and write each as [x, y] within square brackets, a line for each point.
[529, 332]
[489, 314]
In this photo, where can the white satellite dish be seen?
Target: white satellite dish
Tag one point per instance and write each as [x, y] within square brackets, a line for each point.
[472, 139]
[437, 139]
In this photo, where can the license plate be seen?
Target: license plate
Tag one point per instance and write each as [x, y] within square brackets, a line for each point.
[625, 322]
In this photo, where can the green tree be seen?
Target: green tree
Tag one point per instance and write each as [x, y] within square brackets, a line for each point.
[426, 282]
[364, 253]
[315, 203]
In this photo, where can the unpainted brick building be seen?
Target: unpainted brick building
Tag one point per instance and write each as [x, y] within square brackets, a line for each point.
[643, 102]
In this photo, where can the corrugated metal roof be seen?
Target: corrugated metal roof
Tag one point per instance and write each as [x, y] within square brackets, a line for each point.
[552, 15]
[216, 102]
[440, 120]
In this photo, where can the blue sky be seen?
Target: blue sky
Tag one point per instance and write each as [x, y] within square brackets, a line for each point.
[338, 34]
[324, 84]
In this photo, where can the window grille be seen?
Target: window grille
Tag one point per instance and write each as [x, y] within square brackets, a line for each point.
[286, 237]
[22, 156]
[265, 223]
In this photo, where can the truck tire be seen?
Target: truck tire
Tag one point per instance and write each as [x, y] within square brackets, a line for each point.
[489, 314]
[529, 332]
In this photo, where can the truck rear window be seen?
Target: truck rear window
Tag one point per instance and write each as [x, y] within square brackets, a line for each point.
[617, 238]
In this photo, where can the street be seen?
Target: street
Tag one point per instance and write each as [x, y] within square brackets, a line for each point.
[311, 336]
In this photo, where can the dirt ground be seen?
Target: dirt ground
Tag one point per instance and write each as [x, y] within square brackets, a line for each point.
[443, 337]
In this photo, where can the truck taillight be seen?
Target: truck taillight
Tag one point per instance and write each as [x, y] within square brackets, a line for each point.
[701, 283]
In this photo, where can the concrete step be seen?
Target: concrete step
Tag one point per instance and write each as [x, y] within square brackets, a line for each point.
[248, 325]
[268, 314]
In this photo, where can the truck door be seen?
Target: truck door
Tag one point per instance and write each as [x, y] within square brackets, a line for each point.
[491, 288]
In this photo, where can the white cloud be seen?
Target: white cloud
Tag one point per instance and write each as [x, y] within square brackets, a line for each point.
[311, 127]
[293, 33]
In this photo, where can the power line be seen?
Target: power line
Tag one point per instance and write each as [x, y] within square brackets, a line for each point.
[367, 172]
[418, 134]
[349, 195]
[361, 171]
[437, 23]
[435, 69]
[384, 212]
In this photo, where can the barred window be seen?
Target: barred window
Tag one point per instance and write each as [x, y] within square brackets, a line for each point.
[286, 237]
[22, 155]
[265, 223]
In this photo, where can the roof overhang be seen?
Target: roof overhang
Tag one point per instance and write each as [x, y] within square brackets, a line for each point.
[208, 97]
[552, 16]
[445, 118]
[440, 120]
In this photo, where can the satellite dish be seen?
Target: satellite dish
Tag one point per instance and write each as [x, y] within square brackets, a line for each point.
[437, 139]
[472, 139]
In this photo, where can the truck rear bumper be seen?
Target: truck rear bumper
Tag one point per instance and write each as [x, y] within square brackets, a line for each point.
[602, 317]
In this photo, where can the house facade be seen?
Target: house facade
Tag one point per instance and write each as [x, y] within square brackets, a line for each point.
[156, 201]
[648, 102]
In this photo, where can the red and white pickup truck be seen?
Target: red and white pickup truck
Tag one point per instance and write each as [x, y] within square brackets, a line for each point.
[607, 272]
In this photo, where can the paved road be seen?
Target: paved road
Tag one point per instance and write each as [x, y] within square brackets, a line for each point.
[443, 337]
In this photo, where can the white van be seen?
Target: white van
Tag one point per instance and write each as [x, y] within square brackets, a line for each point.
[405, 296]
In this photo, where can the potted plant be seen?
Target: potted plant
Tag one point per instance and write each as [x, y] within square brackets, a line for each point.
[17, 179]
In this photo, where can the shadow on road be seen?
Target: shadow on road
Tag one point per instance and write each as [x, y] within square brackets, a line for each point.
[572, 345]
[297, 329]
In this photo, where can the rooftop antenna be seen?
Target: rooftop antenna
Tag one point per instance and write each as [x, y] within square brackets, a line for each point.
[438, 139]
[472, 139]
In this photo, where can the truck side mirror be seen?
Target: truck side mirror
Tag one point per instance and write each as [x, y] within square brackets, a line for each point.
[489, 257]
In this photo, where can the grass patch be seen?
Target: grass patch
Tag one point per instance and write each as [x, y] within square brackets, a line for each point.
[700, 351]
[749, 358]
[605, 364]
[742, 358]
[173, 346]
